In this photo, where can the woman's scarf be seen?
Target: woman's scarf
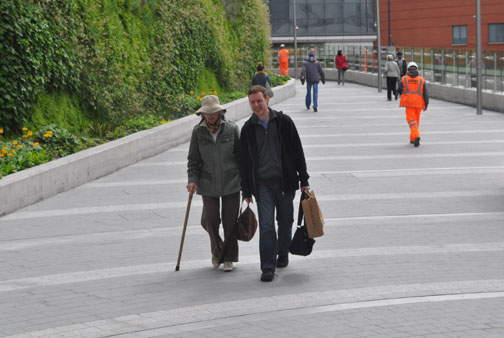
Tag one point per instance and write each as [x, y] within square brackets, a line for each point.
[213, 127]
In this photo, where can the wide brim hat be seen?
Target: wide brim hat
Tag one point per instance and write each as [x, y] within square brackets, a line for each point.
[210, 104]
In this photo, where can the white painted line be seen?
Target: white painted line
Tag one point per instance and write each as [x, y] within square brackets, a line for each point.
[94, 210]
[198, 317]
[423, 124]
[126, 235]
[356, 173]
[413, 219]
[415, 195]
[412, 171]
[154, 164]
[376, 144]
[135, 270]
[371, 109]
[172, 205]
[336, 134]
[411, 155]
[353, 157]
[133, 183]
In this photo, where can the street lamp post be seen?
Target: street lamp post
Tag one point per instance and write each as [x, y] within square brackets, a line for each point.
[388, 21]
[479, 81]
[295, 42]
[379, 44]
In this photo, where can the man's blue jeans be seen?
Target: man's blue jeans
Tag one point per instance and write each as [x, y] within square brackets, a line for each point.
[269, 198]
[308, 94]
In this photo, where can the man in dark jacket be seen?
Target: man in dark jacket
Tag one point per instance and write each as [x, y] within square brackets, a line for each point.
[272, 165]
[312, 72]
[401, 63]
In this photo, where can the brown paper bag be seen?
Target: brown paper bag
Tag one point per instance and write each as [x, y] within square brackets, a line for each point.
[313, 215]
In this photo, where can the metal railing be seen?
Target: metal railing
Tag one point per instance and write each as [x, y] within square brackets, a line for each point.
[455, 67]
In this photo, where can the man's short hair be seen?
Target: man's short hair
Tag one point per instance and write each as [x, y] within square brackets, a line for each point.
[257, 89]
[399, 53]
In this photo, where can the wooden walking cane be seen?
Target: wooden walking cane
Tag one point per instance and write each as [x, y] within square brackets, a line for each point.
[177, 268]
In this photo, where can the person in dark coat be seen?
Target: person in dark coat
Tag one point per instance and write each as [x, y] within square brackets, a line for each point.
[272, 168]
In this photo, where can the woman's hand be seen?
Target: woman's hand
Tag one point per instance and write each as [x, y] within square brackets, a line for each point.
[192, 187]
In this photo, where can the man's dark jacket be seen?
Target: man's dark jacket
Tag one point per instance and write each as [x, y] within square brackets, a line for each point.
[293, 160]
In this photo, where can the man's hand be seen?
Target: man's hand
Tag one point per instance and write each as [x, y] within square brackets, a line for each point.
[249, 200]
[192, 187]
[305, 188]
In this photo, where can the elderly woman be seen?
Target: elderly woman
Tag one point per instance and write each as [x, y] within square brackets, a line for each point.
[213, 172]
[392, 73]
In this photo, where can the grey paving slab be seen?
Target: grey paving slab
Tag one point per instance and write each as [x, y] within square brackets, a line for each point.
[414, 240]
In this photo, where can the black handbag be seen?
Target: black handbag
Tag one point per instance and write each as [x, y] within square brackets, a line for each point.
[301, 244]
[246, 224]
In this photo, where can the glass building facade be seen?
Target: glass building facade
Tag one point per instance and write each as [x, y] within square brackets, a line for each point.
[323, 19]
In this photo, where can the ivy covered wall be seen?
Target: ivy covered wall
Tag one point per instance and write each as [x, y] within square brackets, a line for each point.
[76, 61]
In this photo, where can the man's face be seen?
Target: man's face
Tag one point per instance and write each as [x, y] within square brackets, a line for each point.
[259, 105]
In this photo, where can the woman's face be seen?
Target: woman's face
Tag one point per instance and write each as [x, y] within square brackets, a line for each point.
[211, 118]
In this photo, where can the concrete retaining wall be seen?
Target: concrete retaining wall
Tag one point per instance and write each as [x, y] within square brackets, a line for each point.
[29, 186]
[467, 96]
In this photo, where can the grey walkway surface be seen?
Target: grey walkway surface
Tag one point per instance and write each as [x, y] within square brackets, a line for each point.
[414, 243]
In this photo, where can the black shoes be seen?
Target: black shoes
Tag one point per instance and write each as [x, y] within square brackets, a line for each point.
[282, 261]
[417, 142]
[396, 96]
[315, 109]
[307, 108]
[267, 275]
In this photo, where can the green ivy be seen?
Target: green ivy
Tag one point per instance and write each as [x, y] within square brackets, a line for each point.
[34, 56]
[89, 66]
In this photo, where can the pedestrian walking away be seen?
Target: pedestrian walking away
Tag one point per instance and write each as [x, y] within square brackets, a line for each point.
[415, 97]
[312, 73]
[213, 173]
[391, 72]
[341, 65]
[272, 168]
[262, 79]
[283, 60]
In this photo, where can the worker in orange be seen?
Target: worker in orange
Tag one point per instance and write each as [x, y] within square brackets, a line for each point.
[414, 97]
[283, 60]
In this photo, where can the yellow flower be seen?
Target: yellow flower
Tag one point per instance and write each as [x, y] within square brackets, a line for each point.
[1, 155]
[191, 92]
[4, 150]
[198, 98]
[29, 133]
[49, 132]
[9, 154]
[13, 151]
[211, 89]
[163, 122]
[14, 142]
[19, 146]
[203, 93]
[24, 129]
[36, 144]
[215, 92]
[1, 131]
[46, 135]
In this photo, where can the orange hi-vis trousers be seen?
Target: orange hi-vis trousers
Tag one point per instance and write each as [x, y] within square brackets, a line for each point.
[413, 119]
[284, 68]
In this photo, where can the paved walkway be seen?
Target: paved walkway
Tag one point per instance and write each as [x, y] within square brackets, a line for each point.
[414, 243]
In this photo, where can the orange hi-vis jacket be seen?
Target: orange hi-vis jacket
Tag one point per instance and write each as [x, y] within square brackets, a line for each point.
[283, 56]
[412, 95]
